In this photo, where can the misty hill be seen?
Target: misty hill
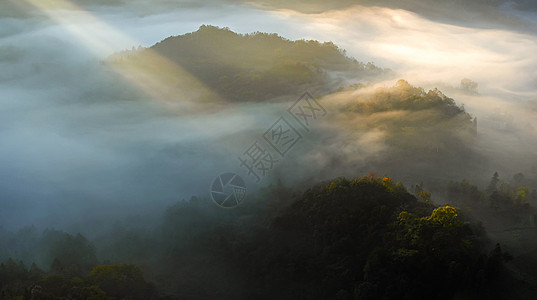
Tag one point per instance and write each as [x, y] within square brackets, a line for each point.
[252, 67]
[402, 130]
[368, 238]
[414, 119]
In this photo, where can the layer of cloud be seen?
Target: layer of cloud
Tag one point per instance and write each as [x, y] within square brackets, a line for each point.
[78, 141]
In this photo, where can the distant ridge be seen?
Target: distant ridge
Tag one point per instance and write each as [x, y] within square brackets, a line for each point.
[258, 66]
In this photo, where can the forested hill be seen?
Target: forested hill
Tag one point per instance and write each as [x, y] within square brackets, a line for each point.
[253, 67]
[412, 119]
[360, 238]
[403, 130]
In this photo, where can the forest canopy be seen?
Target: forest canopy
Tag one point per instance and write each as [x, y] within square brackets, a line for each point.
[358, 238]
[250, 67]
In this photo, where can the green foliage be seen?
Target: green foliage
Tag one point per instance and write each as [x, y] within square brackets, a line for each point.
[522, 196]
[367, 240]
[103, 283]
[359, 238]
[464, 193]
[493, 185]
[403, 96]
[68, 255]
[121, 281]
[59, 287]
[415, 125]
[445, 216]
[388, 183]
[250, 67]
[425, 197]
[504, 195]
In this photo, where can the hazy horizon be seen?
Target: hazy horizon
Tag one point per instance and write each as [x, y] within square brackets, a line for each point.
[77, 146]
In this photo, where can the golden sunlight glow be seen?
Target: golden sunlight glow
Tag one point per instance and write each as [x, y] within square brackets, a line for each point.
[428, 49]
[155, 75]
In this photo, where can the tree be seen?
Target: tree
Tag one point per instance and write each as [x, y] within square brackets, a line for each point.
[507, 192]
[425, 197]
[464, 193]
[495, 200]
[445, 216]
[71, 256]
[522, 195]
[122, 281]
[493, 185]
[518, 178]
[469, 86]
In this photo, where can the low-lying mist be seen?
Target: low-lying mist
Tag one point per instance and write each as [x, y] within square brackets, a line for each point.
[116, 117]
[85, 143]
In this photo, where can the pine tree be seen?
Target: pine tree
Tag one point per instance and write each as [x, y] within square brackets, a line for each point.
[493, 185]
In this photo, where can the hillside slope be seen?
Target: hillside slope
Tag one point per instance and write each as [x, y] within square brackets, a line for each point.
[251, 67]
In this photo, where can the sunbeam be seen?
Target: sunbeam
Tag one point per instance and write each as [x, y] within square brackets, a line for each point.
[155, 75]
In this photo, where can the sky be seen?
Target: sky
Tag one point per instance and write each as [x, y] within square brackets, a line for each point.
[79, 145]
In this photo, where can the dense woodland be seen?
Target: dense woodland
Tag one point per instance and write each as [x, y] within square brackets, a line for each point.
[402, 130]
[360, 238]
[251, 67]
[363, 237]
[413, 120]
